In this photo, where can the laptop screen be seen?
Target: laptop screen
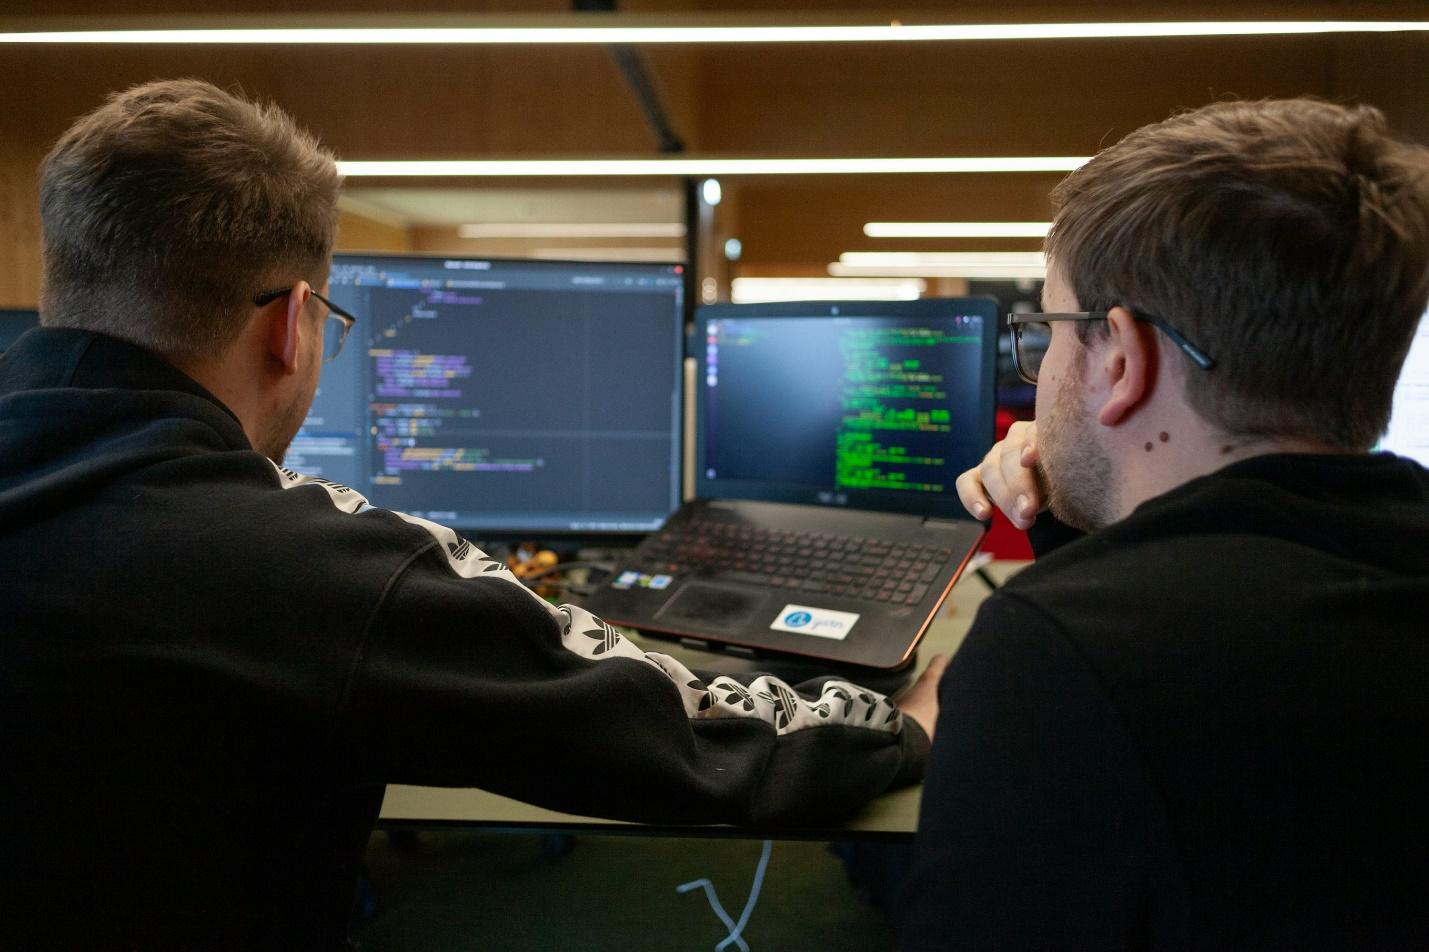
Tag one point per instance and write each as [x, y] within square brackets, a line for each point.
[875, 406]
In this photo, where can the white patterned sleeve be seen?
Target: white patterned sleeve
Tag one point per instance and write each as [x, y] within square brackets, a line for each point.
[764, 733]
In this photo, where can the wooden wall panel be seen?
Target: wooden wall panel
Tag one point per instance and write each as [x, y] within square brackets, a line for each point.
[1388, 71]
[19, 230]
[447, 240]
[359, 233]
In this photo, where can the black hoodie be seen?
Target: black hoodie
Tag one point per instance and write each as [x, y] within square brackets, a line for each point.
[210, 666]
[1202, 727]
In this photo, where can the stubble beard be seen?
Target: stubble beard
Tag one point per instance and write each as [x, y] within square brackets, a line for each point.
[1078, 473]
[280, 433]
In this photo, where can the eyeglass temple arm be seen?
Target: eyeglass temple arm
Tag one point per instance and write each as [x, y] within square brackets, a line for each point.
[1202, 359]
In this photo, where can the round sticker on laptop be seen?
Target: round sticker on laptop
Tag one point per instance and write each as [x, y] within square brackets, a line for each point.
[820, 622]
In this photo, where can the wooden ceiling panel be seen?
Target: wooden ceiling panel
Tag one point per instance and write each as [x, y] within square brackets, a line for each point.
[1063, 11]
[366, 102]
[985, 99]
[793, 224]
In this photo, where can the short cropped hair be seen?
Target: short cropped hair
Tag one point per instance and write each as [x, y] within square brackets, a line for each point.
[1289, 239]
[167, 209]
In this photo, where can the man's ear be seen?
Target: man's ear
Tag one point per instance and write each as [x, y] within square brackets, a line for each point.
[1129, 366]
[285, 327]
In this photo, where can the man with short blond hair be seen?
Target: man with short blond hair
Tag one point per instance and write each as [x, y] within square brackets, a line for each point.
[165, 209]
[1202, 725]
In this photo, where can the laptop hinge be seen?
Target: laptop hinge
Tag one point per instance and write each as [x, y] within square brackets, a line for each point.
[933, 523]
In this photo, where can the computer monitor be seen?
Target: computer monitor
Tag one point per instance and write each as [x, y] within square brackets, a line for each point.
[14, 322]
[503, 397]
[1408, 433]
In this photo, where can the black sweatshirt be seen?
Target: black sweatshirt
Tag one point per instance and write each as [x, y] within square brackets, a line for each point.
[1203, 727]
[209, 667]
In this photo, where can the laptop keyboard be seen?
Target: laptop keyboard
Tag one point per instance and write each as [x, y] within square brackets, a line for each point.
[817, 562]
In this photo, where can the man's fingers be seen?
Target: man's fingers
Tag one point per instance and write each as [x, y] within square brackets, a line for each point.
[934, 671]
[1006, 479]
[974, 499]
[1021, 497]
[1018, 493]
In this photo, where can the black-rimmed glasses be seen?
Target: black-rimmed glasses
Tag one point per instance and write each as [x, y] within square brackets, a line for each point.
[336, 325]
[1032, 334]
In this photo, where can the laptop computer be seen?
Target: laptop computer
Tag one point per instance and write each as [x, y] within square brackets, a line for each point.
[828, 439]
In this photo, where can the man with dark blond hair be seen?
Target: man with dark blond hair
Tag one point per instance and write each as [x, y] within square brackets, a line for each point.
[165, 209]
[210, 665]
[1203, 725]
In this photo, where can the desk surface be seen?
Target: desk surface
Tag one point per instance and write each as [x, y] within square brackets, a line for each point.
[893, 815]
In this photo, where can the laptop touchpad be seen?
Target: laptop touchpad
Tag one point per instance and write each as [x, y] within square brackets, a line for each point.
[716, 605]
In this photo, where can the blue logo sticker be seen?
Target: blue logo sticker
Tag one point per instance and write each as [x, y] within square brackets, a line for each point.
[806, 621]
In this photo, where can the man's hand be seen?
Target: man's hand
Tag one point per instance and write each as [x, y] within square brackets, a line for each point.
[920, 702]
[1006, 478]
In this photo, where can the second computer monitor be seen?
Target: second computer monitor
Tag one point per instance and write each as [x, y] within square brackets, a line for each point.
[1408, 433]
[504, 396]
[13, 323]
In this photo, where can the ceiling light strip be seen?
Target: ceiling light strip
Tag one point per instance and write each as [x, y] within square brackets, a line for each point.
[948, 264]
[957, 229]
[755, 290]
[659, 255]
[573, 230]
[976, 258]
[890, 32]
[696, 167]
[985, 272]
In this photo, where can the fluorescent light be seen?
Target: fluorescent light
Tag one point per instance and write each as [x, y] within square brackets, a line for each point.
[957, 229]
[979, 272]
[948, 264]
[700, 167]
[573, 230]
[671, 255]
[766, 290]
[975, 258]
[631, 32]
